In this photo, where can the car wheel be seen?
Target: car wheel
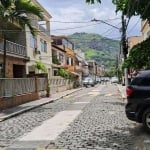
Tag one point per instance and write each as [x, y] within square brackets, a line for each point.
[146, 120]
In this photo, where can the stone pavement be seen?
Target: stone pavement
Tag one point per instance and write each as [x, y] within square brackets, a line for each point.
[11, 112]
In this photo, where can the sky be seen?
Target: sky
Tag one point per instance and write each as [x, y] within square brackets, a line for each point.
[70, 16]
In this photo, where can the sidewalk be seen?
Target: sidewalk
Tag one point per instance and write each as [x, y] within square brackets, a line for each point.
[122, 90]
[11, 112]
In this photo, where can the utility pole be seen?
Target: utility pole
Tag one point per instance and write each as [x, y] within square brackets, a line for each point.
[124, 46]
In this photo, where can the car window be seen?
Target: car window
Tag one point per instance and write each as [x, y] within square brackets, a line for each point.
[145, 81]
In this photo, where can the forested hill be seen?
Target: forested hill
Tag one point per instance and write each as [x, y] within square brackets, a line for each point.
[96, 47]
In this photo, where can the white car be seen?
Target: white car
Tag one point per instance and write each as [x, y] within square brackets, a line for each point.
[114, 80]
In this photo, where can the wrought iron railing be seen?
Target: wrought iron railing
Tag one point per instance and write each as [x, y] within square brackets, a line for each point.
[13, 48]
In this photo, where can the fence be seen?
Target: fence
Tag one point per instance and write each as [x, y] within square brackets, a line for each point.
[58, 84]
[10, 87]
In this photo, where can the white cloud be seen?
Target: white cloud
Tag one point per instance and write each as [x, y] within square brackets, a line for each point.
[79, 11]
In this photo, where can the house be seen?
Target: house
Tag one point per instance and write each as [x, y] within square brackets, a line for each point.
[39, 46]
[67, 46]
[145, 29]
[23, 50]
[15, 58]
[81, 65]
[93, 67]
[58, 58]
[133, 40]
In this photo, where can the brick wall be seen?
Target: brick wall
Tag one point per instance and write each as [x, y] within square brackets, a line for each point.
[17, 100]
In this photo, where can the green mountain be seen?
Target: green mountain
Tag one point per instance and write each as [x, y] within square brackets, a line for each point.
[101, 49]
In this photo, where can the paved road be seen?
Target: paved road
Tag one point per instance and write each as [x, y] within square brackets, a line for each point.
[90, 119]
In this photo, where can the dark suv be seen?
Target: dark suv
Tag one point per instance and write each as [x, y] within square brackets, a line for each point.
[138, 97]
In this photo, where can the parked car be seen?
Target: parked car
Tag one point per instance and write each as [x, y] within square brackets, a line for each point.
[138, 99]
[88, 82]
[114, 80]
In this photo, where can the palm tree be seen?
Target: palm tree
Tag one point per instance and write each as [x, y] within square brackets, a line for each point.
[16, 11]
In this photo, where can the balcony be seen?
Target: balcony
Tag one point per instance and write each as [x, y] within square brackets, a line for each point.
[42, 29]
[13, 48]
[78, 68]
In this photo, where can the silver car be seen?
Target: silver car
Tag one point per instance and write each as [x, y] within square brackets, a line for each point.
[88, 82]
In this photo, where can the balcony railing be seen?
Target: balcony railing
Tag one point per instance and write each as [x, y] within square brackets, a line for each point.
[13, 48]
[42, 29]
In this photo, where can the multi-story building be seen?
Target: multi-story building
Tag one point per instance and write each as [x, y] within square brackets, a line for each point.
[145, 29]
[92, 64]
[58, 58]
[67, 46]
[39, 46]
[133, 40]
[81, 65]
[23, 50]
[15, 57]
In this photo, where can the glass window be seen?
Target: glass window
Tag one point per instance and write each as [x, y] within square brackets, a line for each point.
[67, 61]
[33, 41]
[43, 46]
[61, 57]
[72, 62]
[145, 81]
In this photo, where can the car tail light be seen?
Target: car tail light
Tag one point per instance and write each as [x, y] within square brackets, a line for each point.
[129, 91]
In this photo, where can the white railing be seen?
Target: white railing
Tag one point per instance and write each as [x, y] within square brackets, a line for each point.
[10, 87]
[41, 84]
[13, 48]
[58, 84]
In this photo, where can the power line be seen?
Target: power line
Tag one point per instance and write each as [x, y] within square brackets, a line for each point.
[76, 27]
[51, 30]
[96, 20]
[82, 21]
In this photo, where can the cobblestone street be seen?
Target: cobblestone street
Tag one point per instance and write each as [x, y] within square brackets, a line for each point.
[101, 125]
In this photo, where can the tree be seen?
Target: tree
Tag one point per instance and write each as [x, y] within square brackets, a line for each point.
[16, 11]
[65, 73]
[131, 7]
[40, 66]
[139, 56]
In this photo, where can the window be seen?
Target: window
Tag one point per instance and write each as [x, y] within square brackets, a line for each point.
[43, 46]
[61, 57]
[33, 41]
[72, 62]
[145, 81]
[67, 61]
[55, 73]
[141, 81]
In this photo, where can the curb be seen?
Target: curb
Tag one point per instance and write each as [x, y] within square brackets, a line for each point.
[122, 94]
[32, 107]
